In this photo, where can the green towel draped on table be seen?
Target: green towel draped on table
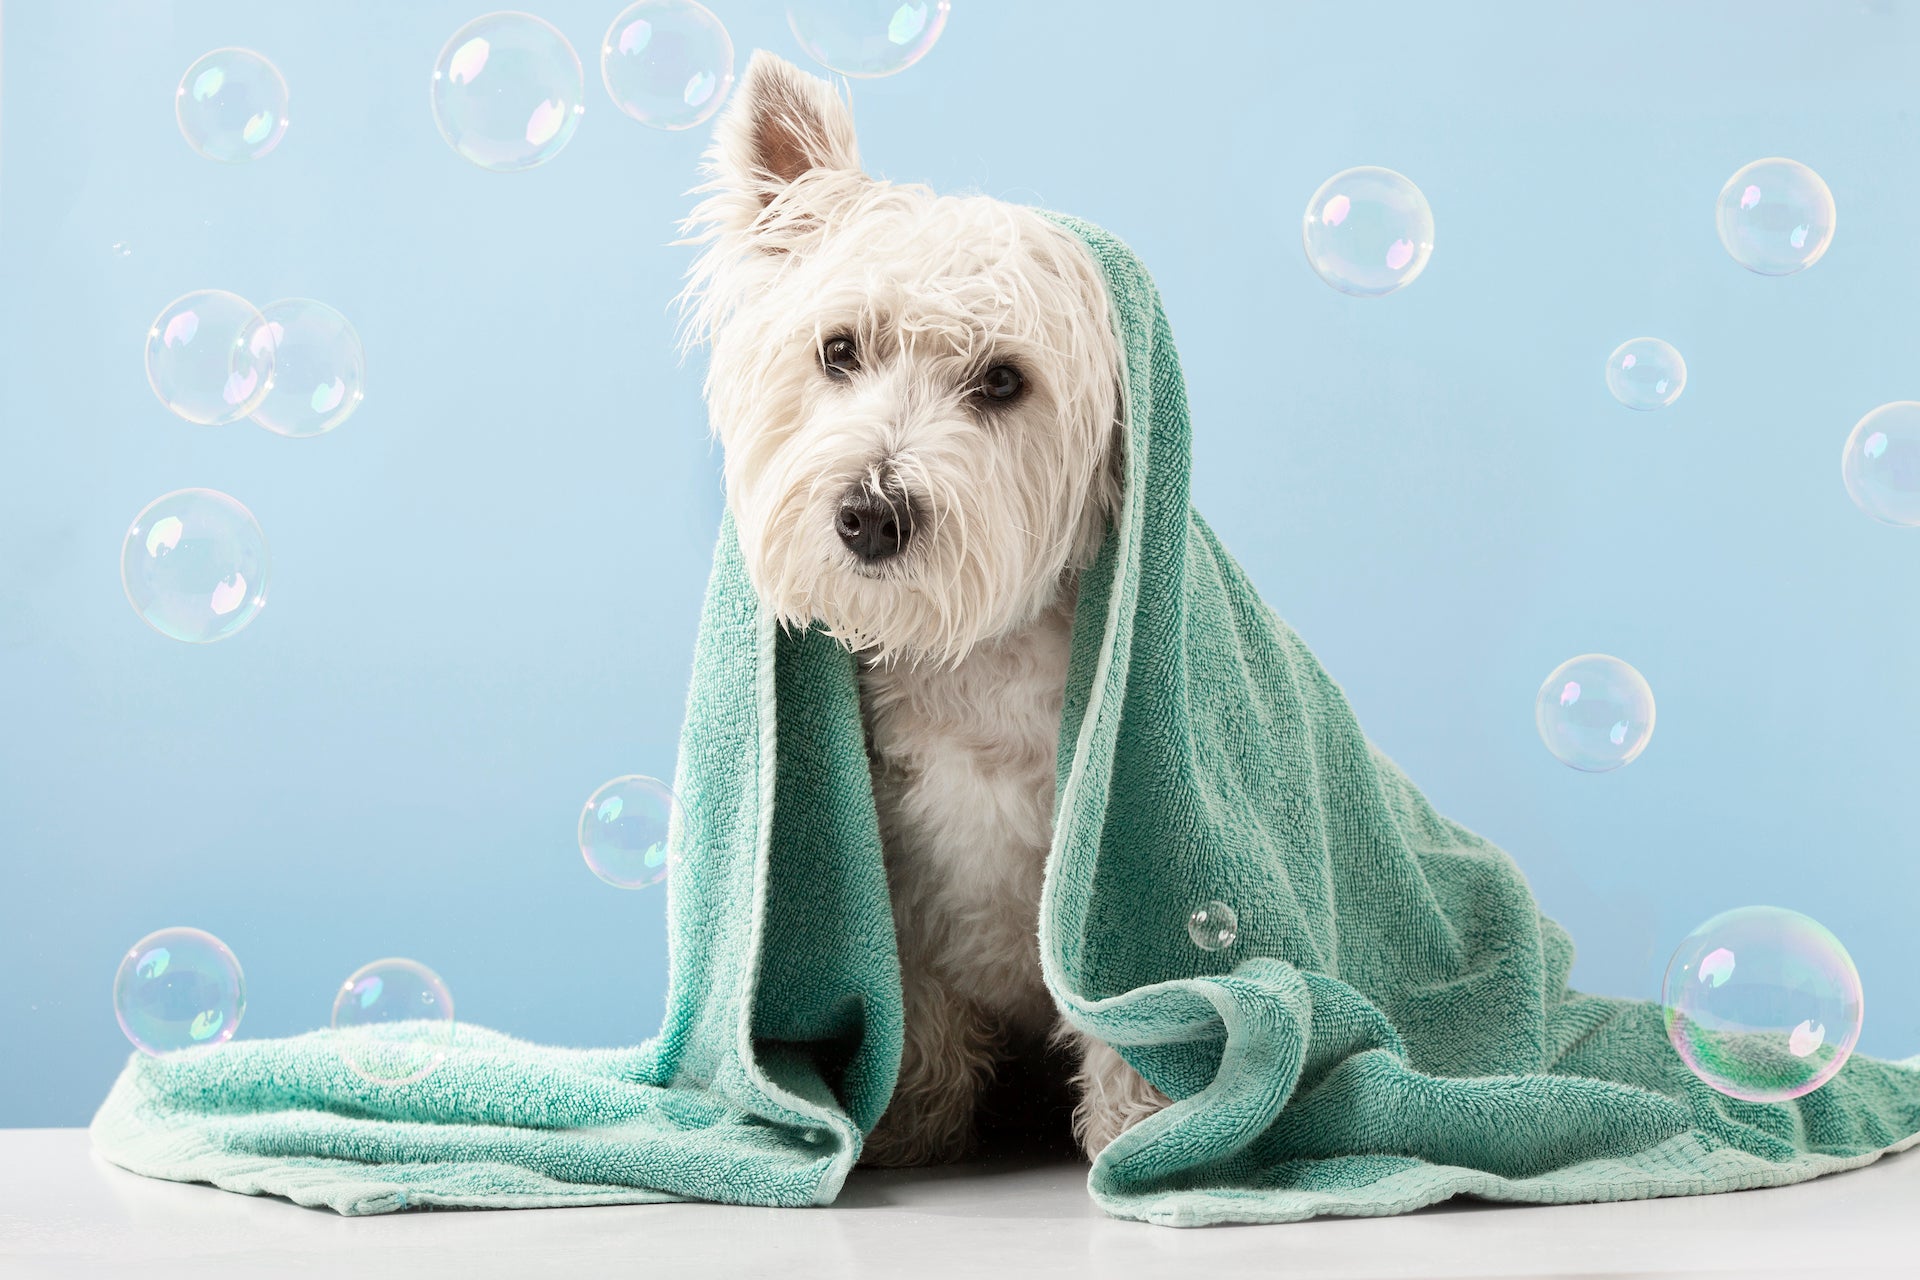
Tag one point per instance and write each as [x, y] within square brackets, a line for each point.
[1391, 1027]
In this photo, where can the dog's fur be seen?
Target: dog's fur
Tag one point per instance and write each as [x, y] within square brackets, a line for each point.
[962, 636]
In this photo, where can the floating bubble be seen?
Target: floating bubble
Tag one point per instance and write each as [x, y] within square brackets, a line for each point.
[667, 63]
[178, 989]
[1595, 713]
[122, 249]
[1213, 926]
[394, 1020]
[1775, 217]
[232, 106]
[194, 566]
[1881, 463]
[319, 369]
[626, 829]
[508, 92]
[1762, 1003]
[1646, 373]
[867, 39]
[209, 358]
[1368, 231]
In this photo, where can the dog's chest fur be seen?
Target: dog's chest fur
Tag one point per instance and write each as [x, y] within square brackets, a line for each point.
[963, 772]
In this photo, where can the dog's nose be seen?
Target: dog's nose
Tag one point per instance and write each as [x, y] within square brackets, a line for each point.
[874, 526]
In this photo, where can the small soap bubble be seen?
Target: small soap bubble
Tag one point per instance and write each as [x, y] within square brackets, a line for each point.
[179, 989]
[232, 106]
[1881, 463]
[1595, 713]
[626, 829]
[1646, 373]
[1775, 217]
[667, 63]
[1368, 231]
[122, 249]
[319, 368]
[508, 92]
[1213, 926]
[1762, 1003]
[194, 566]
[867, 39]
[209, 357]
[393, 1021]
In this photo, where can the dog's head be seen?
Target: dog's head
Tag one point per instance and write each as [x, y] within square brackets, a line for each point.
[916, 394]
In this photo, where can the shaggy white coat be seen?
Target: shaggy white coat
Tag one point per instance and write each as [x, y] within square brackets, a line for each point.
[963, 637]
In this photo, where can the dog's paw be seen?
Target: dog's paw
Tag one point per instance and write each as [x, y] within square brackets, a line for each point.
[902, 1140]
[1113, 1097]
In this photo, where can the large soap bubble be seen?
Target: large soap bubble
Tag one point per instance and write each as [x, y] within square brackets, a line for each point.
[194, 565]
[508, 91]
[1775, 217]
[624, 831]
[667, 63]
[1881, 463]
[1595, 713]
[178, 989]
[210, 357]
[1368, 231]
[232, 106]
[1762, 1003]
[394, 1020]
[867, 39]
[319, 368]
[1646, 373]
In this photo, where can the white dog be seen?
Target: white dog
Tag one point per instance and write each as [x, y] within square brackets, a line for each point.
[918, 400]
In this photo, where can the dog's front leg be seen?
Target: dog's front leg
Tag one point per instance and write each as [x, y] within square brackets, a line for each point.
[946, 1059]
[1112, 1096]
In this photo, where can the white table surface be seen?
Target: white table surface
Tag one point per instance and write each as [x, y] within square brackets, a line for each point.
[63, 1212]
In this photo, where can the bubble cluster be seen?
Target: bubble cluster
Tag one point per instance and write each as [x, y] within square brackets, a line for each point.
[508, 92]
[625, 830]
[1646, 373]
[194, 565]
[393, 1021]
[1595, 713]
[210, 357]
[1213, 926]
[1775, 217]
[178, 989]
[232, 106]
[867, 39]
[667, 63]
[1368, 231]
[319, 369]
[1762, 1003]
[1881, 463]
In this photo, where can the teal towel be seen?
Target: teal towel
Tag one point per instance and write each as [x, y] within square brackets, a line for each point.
[1391, 1027]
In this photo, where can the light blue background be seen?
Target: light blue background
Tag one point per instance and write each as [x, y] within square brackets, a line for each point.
[486, 583]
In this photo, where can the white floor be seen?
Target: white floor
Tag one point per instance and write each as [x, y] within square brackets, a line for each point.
[65, 1213]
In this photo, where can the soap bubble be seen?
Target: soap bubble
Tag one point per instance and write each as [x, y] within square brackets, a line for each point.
[122, 249]
[194, 566]
[1775, 217]
[1368, 231]
[1762, 1003]
[394, 1021]
[209, 357]
[232, 106]
[1595, 713]
[667, 63]
[1881, 463]
[1213, 926]
[508, 92]
[867, 39]
[625, 830]
[1646, 373]
[319, 369]
[178, 988]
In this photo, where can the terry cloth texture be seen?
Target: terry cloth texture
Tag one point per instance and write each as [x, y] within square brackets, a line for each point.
[1391, 1027]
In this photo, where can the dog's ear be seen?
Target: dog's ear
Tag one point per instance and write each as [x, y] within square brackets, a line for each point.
[782, 125]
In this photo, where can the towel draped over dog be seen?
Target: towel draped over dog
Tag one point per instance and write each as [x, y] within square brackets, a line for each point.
[1390, 1027]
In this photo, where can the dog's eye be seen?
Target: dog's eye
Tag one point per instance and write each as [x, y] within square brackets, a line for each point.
[838, 357]
[1002, 382]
